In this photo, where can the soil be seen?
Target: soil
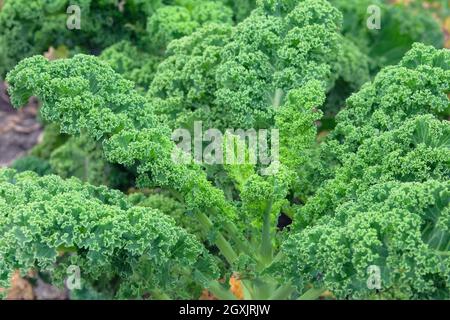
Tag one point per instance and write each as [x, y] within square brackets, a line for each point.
[19, 132]
[22, 289]
[19, 129]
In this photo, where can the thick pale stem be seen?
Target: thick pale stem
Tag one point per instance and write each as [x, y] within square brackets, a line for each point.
[216, 288]
[242, 244]
[266, 240]
[224, 246]
[219, 291]
[158, 295]
[283, 292]
[443, 253]
[312, 294]
[277, 99]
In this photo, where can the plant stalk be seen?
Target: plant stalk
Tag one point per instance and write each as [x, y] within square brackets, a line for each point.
[312, 294]
[283, 292]
[224, 246]
[266, 239]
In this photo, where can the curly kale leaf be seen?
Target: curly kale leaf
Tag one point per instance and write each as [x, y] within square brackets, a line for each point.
[238, 77]
[400, 228]
[85, 95]
[131, 62]
[416, 152]
[183, 18]
[49, 223]
[418, 85]
[386, 200]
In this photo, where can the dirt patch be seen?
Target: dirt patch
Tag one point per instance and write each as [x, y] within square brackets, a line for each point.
[19, 129]
[22, 289]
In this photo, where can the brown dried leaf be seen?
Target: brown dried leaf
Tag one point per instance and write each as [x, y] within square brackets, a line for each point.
[20, 289]
[236, 287]
[206, 295]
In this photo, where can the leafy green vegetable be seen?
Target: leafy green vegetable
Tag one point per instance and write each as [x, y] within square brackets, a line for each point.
[50, 224]
[134, 64]
[238, 77]
[367, 190]
[386, 202]
[29, 27]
